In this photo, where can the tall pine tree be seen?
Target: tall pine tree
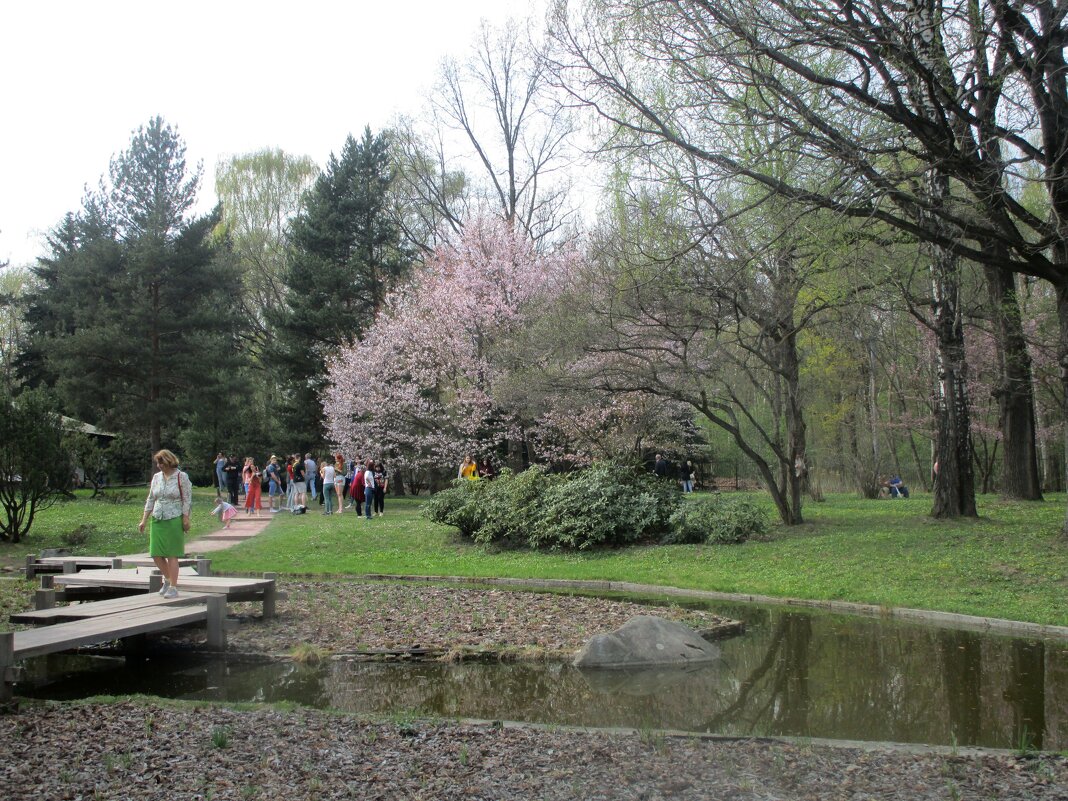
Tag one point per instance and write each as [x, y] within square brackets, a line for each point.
[131, 322]
[347, 252]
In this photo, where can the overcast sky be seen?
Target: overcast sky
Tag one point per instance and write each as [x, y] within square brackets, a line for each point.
[76, 78]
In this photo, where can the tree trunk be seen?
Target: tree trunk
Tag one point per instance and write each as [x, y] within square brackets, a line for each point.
[796, 444]
[868, 470]
[1013, 392]
[1062, 358]
[779, 494]
[954, 487]
[155, 434]
[954, 490]
[396, 483]
[866, 488]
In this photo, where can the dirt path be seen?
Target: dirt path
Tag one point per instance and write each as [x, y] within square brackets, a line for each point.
[241, 529]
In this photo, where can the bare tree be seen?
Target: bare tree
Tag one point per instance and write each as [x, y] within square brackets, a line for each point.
[430, 193]
[501, 102]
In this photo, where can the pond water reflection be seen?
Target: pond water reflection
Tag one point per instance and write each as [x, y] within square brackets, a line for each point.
[805, 674]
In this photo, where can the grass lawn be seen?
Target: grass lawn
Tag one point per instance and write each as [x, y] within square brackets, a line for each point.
[1010, 563]
[115, 525]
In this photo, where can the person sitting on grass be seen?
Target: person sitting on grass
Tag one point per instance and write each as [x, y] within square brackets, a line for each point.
[897, 487]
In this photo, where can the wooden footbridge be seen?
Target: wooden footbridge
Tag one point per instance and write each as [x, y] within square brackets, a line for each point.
[120, 603]
[36, 565]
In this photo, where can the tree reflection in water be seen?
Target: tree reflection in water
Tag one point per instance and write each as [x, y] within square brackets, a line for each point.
[962, 671]
[792, 673]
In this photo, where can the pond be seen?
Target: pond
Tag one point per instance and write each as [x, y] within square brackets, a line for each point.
[802, 674]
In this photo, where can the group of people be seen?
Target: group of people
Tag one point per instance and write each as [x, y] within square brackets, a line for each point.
[337, 483]
[167, 508]
[686, 472]
[472, 470]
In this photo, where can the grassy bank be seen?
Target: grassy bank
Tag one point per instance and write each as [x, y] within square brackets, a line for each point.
[114, 520]
[1009, 563]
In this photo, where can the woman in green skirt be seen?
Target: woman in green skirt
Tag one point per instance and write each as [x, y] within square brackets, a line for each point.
[170, 497]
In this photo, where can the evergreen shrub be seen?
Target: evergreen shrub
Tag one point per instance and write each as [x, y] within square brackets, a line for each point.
[459, 506]
[717, 519]
[604, 504]
[513, 504]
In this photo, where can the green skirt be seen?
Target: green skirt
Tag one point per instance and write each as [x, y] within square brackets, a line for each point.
[166, 538]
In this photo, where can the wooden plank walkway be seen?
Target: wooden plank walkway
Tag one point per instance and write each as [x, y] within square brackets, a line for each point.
[36, 565]
[83, 611]
[99, 583]
[149, 617]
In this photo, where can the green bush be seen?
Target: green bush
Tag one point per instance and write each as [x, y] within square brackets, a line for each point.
[458, 506]
[718, 519]
[78, 536]
[512, 505]
[603, 505]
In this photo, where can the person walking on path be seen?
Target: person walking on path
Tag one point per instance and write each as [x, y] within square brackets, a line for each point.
[254, 491]
[220, 474]
[169, 502]
[233, 478]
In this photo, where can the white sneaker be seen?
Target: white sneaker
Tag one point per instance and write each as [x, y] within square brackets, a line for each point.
[172, 592]
[163, 589]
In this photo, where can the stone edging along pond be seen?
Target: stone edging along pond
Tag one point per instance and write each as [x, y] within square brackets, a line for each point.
[933, 618]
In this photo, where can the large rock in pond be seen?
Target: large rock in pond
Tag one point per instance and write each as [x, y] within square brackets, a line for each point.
[646, 640]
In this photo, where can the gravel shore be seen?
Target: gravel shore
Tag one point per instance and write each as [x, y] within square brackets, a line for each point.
[152, 751]
[149, 749]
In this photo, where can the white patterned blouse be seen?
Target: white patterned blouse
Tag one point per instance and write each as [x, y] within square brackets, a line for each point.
[165, 499]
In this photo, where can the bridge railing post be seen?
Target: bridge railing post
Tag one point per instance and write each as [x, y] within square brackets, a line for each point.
[7, 666]
[270, 595]
[44, 599]
[217, 622]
